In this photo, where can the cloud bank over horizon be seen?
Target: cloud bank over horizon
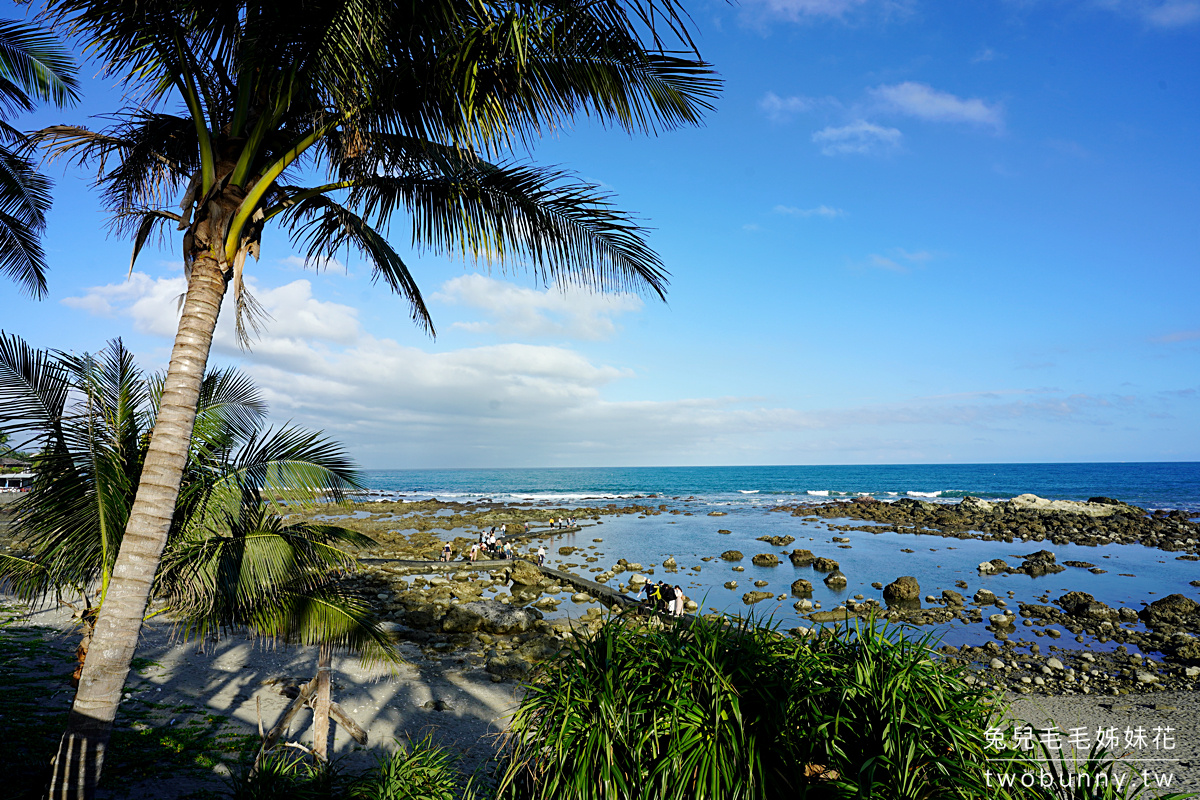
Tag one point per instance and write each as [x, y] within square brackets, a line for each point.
[514, 403]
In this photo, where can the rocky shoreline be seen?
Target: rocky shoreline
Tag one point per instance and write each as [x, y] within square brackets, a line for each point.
[496, 617]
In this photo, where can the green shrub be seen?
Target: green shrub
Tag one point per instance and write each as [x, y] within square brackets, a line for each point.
[421, 771]
[284, 776]
[731, 712]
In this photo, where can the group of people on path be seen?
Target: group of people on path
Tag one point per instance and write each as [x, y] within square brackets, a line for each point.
[662, 598]
[490, 546]
[562, 522]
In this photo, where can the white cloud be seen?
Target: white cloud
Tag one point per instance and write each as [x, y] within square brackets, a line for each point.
[1158, 13]
[802, 10]
[984, 55]
[861, 138]
[820, 211]
[924, 102]
[153, 306]
[781, 108]
[559, 312]
[513, 404]
[318, 265]
[1172, 14]
[1178, 336]
[899, 260]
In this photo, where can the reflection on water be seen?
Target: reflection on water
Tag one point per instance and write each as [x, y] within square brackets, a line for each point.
[1134, 576]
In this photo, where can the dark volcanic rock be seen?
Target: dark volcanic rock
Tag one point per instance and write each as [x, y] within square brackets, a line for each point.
[732, 555]
[1174, 609]
[777, 541]
[903, 588]
[802, 558]
[952, 597]
[835, 578]
[825, 564]
[801, 587]
[765, 560]
[1074, 602]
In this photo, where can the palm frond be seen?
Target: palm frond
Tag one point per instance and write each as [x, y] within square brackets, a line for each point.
[35, 63]
[33, 390]
[323, 228]
[568, 231]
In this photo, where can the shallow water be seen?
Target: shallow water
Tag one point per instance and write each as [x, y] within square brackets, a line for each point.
[936, 562]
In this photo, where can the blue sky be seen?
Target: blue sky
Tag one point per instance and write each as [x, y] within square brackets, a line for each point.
[912, 232]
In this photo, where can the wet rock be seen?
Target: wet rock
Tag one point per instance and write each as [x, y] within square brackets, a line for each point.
[524, 573]
[985, 597]
[1043, 562]
[508, 667]
[802, 558]
[803, 605]
[1174, 609]
[952, 597]
[731, 585]
[670, 563]
[750, 598]
[835, 578]
[490, 616]
[777, 541]
[1074, 602]
[732, 555]
[903, 588]
[801, 587]
[985, 568]
[765, 560]
[825, 564]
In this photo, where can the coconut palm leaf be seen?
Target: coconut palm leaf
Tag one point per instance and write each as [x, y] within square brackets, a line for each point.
[277, 579]
[33, 65]
[33, 62]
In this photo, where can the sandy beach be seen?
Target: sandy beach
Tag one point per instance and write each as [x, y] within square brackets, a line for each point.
[453, 700]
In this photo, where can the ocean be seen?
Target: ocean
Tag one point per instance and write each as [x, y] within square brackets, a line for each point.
[723, 508]
[1150, 485]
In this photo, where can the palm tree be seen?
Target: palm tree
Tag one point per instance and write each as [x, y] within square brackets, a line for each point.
[330, 117]
[33, 66]
[229, 562]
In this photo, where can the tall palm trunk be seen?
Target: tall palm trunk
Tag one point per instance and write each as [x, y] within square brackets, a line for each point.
[80, 755]
[321, 704]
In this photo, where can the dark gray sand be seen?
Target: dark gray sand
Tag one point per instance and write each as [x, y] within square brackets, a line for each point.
[1157, 733]
[242, 679]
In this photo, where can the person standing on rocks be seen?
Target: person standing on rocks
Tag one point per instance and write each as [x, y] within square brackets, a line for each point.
[446, 552]
[474, 552]
[541, 555]
[679, 601]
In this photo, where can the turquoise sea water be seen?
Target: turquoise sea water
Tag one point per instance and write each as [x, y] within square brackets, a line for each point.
[1151, 485]
[743, 496]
